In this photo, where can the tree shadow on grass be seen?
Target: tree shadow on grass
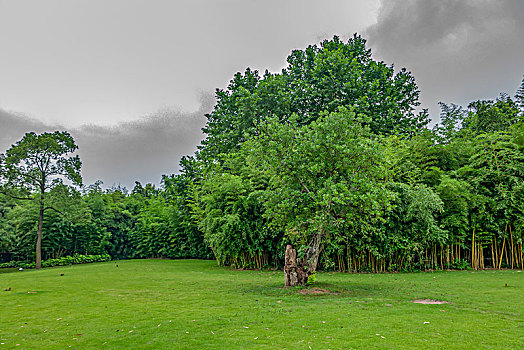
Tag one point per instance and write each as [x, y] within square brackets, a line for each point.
[8, 270]
[320, 290]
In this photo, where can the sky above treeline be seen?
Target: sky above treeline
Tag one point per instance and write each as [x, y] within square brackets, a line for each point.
[131, 80]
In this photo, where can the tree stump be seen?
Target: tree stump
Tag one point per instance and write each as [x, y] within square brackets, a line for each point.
[294, 274]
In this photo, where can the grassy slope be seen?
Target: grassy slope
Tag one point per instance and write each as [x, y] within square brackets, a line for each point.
[162, 304]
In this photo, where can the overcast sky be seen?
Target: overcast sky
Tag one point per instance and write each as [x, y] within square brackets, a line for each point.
[132, 79]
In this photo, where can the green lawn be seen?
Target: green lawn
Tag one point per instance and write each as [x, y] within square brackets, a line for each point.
[191, 304]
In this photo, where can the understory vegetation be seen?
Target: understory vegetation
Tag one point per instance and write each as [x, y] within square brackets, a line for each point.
[63, 261]
[331, 153]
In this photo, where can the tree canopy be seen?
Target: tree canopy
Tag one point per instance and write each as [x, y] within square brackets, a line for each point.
[319, 79]
[37, 164]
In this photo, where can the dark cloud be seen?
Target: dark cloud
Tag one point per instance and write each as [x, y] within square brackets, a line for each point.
[140, 150]
[458, 50]
[14, 125]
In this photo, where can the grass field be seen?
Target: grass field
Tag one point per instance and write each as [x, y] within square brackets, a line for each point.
[191, 304]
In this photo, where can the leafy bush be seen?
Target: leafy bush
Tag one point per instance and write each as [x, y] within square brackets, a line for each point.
[461, 264]
[312, 279]
[66, 260]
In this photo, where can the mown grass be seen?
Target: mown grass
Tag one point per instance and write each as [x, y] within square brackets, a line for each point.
[191, 304]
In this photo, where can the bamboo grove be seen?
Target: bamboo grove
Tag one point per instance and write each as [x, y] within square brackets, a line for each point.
[332, 152]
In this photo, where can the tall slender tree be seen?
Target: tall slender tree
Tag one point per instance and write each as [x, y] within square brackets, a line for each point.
[35, 165]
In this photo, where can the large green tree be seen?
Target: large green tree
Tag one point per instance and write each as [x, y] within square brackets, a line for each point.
[319, 78]
[35, 165]
[326, 178]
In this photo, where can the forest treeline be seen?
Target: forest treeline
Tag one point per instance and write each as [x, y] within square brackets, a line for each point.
[330, 155]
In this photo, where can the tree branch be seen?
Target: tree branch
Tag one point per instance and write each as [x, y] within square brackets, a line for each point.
[15, 197]
[303, 185]
[52, 208]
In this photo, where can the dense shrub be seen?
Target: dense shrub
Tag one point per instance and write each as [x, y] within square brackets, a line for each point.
[66, 260]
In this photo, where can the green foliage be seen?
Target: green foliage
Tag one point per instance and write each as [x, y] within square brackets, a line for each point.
[329, 154]
[37, 162]
[323, 176]
[230, 213]
[452, 118]
[460, 264]
[496, 173]
[316, 80]
[457, 204]
[63, 261]
[35, 165]
[416, 199]
[492, 116]
[312, 279]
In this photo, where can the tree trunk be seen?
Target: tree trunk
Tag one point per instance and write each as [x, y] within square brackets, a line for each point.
[39, 235]
[297, 271]
[312, 254]
[294, 275]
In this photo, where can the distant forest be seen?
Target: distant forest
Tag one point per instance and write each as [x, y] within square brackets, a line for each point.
[331, 155]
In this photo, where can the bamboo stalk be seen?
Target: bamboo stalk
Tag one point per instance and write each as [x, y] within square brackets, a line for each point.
[502, 252]
[473, 257]
[483, 259]
[507, 253]
[441, 258]
[521, 257]
[492, 254]
[347, 258]
[435, 256]
[481, 249]
[496, 253]
[447, 256]
[426, 259]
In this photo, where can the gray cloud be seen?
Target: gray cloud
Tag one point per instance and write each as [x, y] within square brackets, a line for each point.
[458, 50]
[15, 125]
[89, 60]
[140, 150]
[109, 61]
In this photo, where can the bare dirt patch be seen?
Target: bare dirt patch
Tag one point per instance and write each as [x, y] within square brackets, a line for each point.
[430, 301]
[315, 291]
